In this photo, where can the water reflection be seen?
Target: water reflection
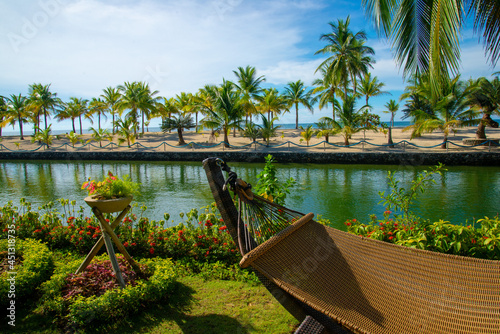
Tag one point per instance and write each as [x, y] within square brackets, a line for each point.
[337, 192]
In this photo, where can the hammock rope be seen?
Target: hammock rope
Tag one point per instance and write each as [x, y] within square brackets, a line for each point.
[258, 218]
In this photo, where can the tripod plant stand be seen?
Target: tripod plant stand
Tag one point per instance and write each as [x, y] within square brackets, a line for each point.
[109, 237]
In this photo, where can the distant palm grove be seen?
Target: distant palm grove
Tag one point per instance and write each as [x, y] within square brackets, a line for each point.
[435, 98]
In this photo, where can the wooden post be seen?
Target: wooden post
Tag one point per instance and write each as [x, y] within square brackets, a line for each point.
[93, 252]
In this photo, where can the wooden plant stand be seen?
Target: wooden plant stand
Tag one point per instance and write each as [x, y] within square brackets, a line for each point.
[107, 236]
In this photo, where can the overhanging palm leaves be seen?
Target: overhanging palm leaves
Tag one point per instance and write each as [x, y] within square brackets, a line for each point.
[425, 33]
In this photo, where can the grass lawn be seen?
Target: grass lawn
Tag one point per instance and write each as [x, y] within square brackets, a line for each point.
[197, 306]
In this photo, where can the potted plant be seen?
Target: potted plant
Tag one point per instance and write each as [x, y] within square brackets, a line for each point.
[111, 194]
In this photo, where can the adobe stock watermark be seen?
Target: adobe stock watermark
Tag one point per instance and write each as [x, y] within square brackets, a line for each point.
[30, 27]
[11, 274]
[223, 6]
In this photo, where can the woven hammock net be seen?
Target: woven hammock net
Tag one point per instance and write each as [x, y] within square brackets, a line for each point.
[368, 286]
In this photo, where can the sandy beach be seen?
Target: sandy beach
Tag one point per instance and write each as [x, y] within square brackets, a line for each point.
[287, 140]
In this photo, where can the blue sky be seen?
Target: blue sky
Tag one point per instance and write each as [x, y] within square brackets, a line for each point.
[81, 47]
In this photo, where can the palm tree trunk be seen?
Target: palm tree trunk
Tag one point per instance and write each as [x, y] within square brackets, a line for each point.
[226, 139]
[73, 123]
[142, 122]
[485, 121]
[80, 118]
[113, 124]
[390, 142]
[45, 117]
[445, 140]
[99, 120]
[21, 128]
[181, 137]
[296, 115]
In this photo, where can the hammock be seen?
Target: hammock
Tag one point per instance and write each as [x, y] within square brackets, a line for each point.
[343, 282]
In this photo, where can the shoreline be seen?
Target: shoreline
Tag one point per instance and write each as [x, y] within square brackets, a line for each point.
[368, 148]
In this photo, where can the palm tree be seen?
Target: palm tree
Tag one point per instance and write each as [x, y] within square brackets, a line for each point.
[137, 96]
[73, 109]
[126, 130]
[326, 127]
[272, 103]
[392, 108]
[426, 34]
[100, 135]
[447, 108]
[181, 122]
[228, 110]
[307, 133]
[296, 93]
[44, 136]
[326, 90]
[268, 129]
[112, 97]
[16, 112]
[73, 138]
[349, 122]
[369, 87]
[42, 101]
[248, 84]
[349, 56]
[485, 97]
[251, 130]
[99, 107]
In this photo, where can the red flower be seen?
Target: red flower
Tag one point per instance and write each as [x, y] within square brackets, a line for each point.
[151, 250]
[133, 244]
[125, 244]
[348, 224]
[391, 237]
[222, 228]
[81, 232]
[88, 233]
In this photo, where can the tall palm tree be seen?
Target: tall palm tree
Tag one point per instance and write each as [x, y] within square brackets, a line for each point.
[126, 130]
[16, 112]
[137, 96]
[112, 97]
[392, 107]
[42, 100]
[426, 34]
[326, 91]
[369, 87]
[272, 103]
[349, 58]
[296, 93]
[75, 108]
[97, 107]
[227, 110]
[248, 85]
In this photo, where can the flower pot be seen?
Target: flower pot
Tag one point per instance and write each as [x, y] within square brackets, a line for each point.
[108, 205]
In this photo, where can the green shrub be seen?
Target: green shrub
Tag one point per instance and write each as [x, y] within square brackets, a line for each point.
[34, 265]
[482, 241]
[115, 304]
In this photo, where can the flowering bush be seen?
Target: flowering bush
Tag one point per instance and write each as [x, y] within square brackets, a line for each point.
[76, 310]
[111, 187]
[201, 235]
[482, 241]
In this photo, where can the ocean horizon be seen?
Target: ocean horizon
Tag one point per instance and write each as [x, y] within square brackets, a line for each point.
[285, 126]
